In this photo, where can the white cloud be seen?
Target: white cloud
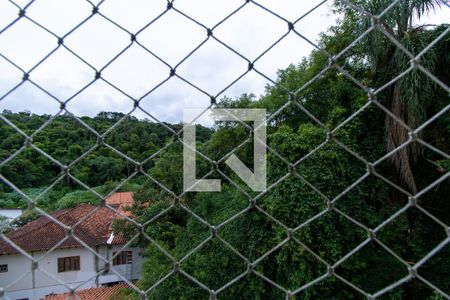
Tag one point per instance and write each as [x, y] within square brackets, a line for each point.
[212, 67]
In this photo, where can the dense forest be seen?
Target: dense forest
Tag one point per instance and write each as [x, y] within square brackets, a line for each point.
[310, 167]
[67, 140]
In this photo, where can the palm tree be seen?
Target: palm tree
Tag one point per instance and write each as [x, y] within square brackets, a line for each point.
[405, 98]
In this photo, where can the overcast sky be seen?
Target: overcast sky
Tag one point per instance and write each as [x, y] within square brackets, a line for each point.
[250, 32]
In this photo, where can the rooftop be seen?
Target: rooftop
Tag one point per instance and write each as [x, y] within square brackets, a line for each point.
[100, 293]
[120, 201]
[92, 225]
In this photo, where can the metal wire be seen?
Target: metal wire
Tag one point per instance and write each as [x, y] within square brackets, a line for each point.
[291, 100]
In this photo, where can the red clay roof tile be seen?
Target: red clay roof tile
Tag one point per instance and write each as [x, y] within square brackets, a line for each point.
[100, 293]
[94, 228]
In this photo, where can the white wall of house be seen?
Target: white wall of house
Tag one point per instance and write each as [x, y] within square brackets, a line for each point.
[18, 267]
[40, 284]
[10, 213]
[130, 272]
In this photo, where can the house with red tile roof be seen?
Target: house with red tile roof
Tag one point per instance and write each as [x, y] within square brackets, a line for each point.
[71, 246]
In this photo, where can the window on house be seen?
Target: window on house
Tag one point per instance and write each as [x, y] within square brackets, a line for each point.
[71, 263]
[3, 268]
[123, 258]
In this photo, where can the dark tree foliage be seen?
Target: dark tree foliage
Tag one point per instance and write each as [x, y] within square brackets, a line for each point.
[330, 170]
[66, 139]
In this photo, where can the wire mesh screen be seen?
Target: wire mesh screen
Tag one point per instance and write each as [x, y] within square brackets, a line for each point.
[356, 202]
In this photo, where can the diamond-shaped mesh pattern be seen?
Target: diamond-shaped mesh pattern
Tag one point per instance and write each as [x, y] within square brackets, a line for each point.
[116, 54]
